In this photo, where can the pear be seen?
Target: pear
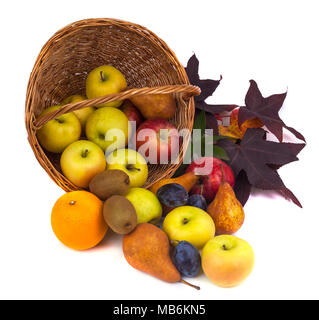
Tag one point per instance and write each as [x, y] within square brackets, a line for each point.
[155, 105]
[187, 180]
[226, 211]
[147, 249]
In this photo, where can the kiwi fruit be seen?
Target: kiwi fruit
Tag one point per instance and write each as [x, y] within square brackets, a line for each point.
[110, 182]
[119, 214]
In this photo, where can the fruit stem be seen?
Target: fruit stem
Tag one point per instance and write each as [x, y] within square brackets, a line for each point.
[72, 202]
[131, 167]
[102, 76]
[201, 189]
[59, 120]
[191, 285]
[85, 153]
[222, 170]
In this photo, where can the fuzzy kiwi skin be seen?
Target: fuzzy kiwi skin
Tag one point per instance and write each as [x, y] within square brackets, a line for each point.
[110, 182]
[119, 214]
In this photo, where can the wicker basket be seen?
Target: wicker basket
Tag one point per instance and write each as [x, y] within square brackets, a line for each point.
[60, 70]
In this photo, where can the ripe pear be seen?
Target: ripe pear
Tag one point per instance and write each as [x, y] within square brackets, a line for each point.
[226, 211]
[187, 180]
[155, 105]
[147, 249]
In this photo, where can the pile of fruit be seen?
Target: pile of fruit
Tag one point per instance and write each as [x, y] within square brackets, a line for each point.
[168, 230]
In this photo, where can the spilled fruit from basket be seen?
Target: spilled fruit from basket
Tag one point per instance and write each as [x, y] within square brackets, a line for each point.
[117, 177]
[132, 163]
[152, 106]
[226, 211]
[147, 249]
[119, 214]
[186, 259]
[108, 128]
[58, 133]
[211, 176]
[147, 206]
[227, 260]
[82, 114]
[197, 200]
[81, 161]
[77, 220]
[110, 182]
[190, 224]
[172, 195]
[105, 80]
[158, 140]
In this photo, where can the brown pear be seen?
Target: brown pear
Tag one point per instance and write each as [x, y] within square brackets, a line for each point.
[146, 249]
[226, 211]
[187, 180]
[155, 105]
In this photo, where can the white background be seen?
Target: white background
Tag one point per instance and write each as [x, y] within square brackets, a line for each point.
[273, 42]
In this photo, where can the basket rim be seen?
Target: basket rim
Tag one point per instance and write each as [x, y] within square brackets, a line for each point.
[68, 30]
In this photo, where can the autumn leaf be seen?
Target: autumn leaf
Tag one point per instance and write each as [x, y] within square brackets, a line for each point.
[255, 155]
[254, 160]
[266, 110]
[242, 187]
[208, 87]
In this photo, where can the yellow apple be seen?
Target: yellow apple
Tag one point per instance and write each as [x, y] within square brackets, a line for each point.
[147, 206]
[132, 163]
[58, 133]
[227, 260]
[82, 114]
[190, 224]
[109, 128]
[81, 161]
[105, 80]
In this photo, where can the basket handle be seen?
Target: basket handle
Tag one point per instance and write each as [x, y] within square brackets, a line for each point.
[187, 90]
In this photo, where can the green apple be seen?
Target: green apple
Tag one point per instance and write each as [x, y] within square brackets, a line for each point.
[227, 260]
[109, 128]
[58, 133]
[191, 224]
[147, 206]
[132, 163]
[81, 161]
[105, 80]
[82, 114]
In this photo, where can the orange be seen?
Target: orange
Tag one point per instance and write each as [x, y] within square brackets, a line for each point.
[77, 220]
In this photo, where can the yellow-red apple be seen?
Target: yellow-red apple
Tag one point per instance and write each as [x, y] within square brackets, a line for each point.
[227, 260]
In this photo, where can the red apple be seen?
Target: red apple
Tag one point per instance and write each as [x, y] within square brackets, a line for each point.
[209, 169]
[132, 112]
[158, 140]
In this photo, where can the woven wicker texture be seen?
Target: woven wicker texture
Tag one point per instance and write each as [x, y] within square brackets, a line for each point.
[61, 68]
